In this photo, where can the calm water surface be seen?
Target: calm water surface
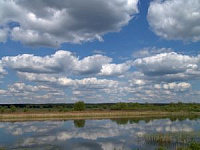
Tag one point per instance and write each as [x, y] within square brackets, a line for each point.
[109, 134]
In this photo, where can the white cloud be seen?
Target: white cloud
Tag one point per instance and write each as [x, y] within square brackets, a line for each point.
[170, 66]
[66, 63]
[150, 51]
[164, 77]
[21, 87]
[20, 92]
[175, 19]
[115, 69]
[2, 92]
[56, 63]
[91, 64]
[178, 87]
[68, 82]
[37, 77]
[50, 23]
[183, 86]
[2, 70]
[137, 82]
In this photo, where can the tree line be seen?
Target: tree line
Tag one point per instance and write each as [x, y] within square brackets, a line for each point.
[81, 106]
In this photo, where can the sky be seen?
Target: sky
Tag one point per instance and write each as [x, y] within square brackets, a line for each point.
[145, 51]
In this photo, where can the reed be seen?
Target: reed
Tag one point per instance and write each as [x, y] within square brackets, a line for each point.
[89, 114]
[179, 140]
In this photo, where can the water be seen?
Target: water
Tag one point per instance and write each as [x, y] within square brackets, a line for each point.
[114, 134]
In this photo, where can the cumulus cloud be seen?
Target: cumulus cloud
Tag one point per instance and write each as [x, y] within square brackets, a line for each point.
[115, 69]
[3, 35]
[180, 87]
[2, 70]
[150, 51]
[91, 64]
[50, 23]
[89, 89]
[20, 92]
[60, 76]
[65, 62]
[21, 87]
[175, 19]
[137, 82]
[64, 81]
[183, 86]
[170, 66]
[55, 63]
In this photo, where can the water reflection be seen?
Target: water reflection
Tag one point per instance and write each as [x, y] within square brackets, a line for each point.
[79, 123]
[106, 134]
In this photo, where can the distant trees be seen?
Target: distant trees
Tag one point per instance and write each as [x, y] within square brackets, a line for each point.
[2, 109]
[13, 108]
[119, 106]
[79, 106]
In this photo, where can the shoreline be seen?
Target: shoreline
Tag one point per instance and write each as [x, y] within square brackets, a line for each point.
[74, 115]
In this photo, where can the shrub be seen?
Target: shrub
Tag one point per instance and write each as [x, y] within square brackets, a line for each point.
[2, 109]
[60, 108]
[119, 106]
[26, 109]
[195, 146]
[79, 106]
[13, 108]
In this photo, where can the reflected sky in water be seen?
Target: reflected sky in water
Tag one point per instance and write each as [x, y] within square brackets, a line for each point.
[90, 134]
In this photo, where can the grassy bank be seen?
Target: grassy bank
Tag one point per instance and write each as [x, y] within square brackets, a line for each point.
[80, 110]
[17, 116]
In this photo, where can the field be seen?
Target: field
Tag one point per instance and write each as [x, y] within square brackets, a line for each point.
[80, 110]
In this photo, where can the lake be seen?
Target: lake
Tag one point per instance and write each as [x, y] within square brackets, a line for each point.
[108, 134]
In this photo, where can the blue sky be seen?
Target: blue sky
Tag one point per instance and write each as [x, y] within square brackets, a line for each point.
[99, 51]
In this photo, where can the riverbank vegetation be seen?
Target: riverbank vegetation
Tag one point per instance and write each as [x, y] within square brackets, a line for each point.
[80, 110]
[177, 140]
[81, 106]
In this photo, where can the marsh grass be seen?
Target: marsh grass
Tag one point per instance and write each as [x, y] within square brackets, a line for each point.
[90, 115]
[178, 140]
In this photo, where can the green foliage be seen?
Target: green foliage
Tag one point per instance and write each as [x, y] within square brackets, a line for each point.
[120, 106]
[161, 148]
[41, 107]
[65, 109]
[13, 108]
[2, 109]
[79, 106]
[60, 108]
[26, 109]
[194, 146]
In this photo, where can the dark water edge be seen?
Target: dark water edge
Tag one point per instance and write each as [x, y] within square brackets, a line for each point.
[105, 134]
